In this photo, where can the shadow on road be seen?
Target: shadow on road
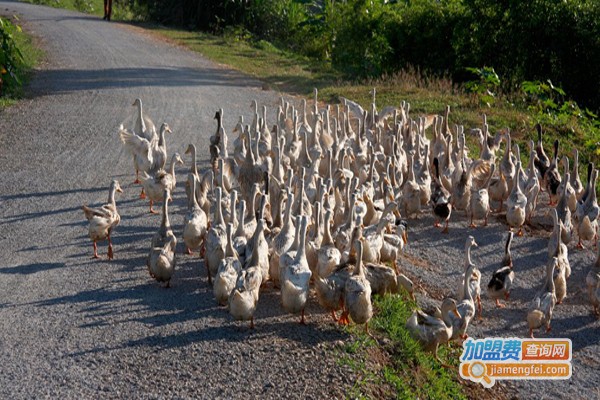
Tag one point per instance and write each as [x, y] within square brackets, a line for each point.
[70, 80]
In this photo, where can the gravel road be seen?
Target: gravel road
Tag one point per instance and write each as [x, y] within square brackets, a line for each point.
[74, 327]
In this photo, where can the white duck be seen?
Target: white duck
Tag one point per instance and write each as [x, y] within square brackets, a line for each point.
[295, 277]
[473, 280]
[228, 271]
[155, 185]
[357, 293]
[149, 155]
[592, 281]
[328, 256]
[586, 215]
[430, 330]
[479, 207]
[216, 239]
[542, 307]
[195, 223]
[516, 203]
[104, 219]
[162, 258]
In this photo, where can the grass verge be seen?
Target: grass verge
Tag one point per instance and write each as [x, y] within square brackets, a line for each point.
[95, 7]
[32, 54]
[396, 366]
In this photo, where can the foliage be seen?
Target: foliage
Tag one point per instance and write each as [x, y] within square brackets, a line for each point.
[11, 57]
[485, 86]
[550, 106]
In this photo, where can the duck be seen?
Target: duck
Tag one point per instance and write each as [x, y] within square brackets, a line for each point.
[461, 194]
[532, 190]
[430, 330]
[516, 204]
[556, 248]
[155, 185]
[195, 224]
[162, 258]
[216, 239]
[243, 299]
[564, 210]
[328, 256]
[479, 207]
[565, 189]
[394, 242]
[148, 155]
[143, 125]
[542, 307]
[502, 279]
[592, 281]
[373, 235]
[586, 215]
[440, 199]
[259, 242]
[473, 279]
[411, 192]
[330, 289]
[466, 310]
[104, 219]
[543, 162]
[575, 180]
[551, 179]
[357, 292]
[215, 140]
[498, 190]
[202, 182]
[228, 271]
[507, 166]
[283, 240]
[295, 277]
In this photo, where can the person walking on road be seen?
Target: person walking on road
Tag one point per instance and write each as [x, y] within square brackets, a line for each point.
[107, 9]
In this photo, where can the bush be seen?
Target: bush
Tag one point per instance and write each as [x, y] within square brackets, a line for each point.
[10, 57]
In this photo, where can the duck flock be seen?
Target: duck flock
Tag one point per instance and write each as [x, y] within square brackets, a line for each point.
[323, 198]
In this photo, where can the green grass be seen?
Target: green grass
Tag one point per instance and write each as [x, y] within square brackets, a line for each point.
[32, 55]
[95, 7]
[409, 372]
[279, 69]
[413, 372]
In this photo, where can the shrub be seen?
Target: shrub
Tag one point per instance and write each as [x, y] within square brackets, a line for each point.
[10, 57]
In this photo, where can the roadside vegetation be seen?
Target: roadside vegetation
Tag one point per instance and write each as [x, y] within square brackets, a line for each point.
[18, 56]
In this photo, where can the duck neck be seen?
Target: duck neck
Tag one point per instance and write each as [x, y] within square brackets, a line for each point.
[141, 117]
[111, 194]
[229, 250]
[327, 240]
[252, 207]
[575, 173]
[301, 252]
[192, 201]
[240, 227]
[467, 291]
[550, 276]
[218, 211]
[359, 261]
[161, 137]
[172, 166]
[194, 169]
[165, 224]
